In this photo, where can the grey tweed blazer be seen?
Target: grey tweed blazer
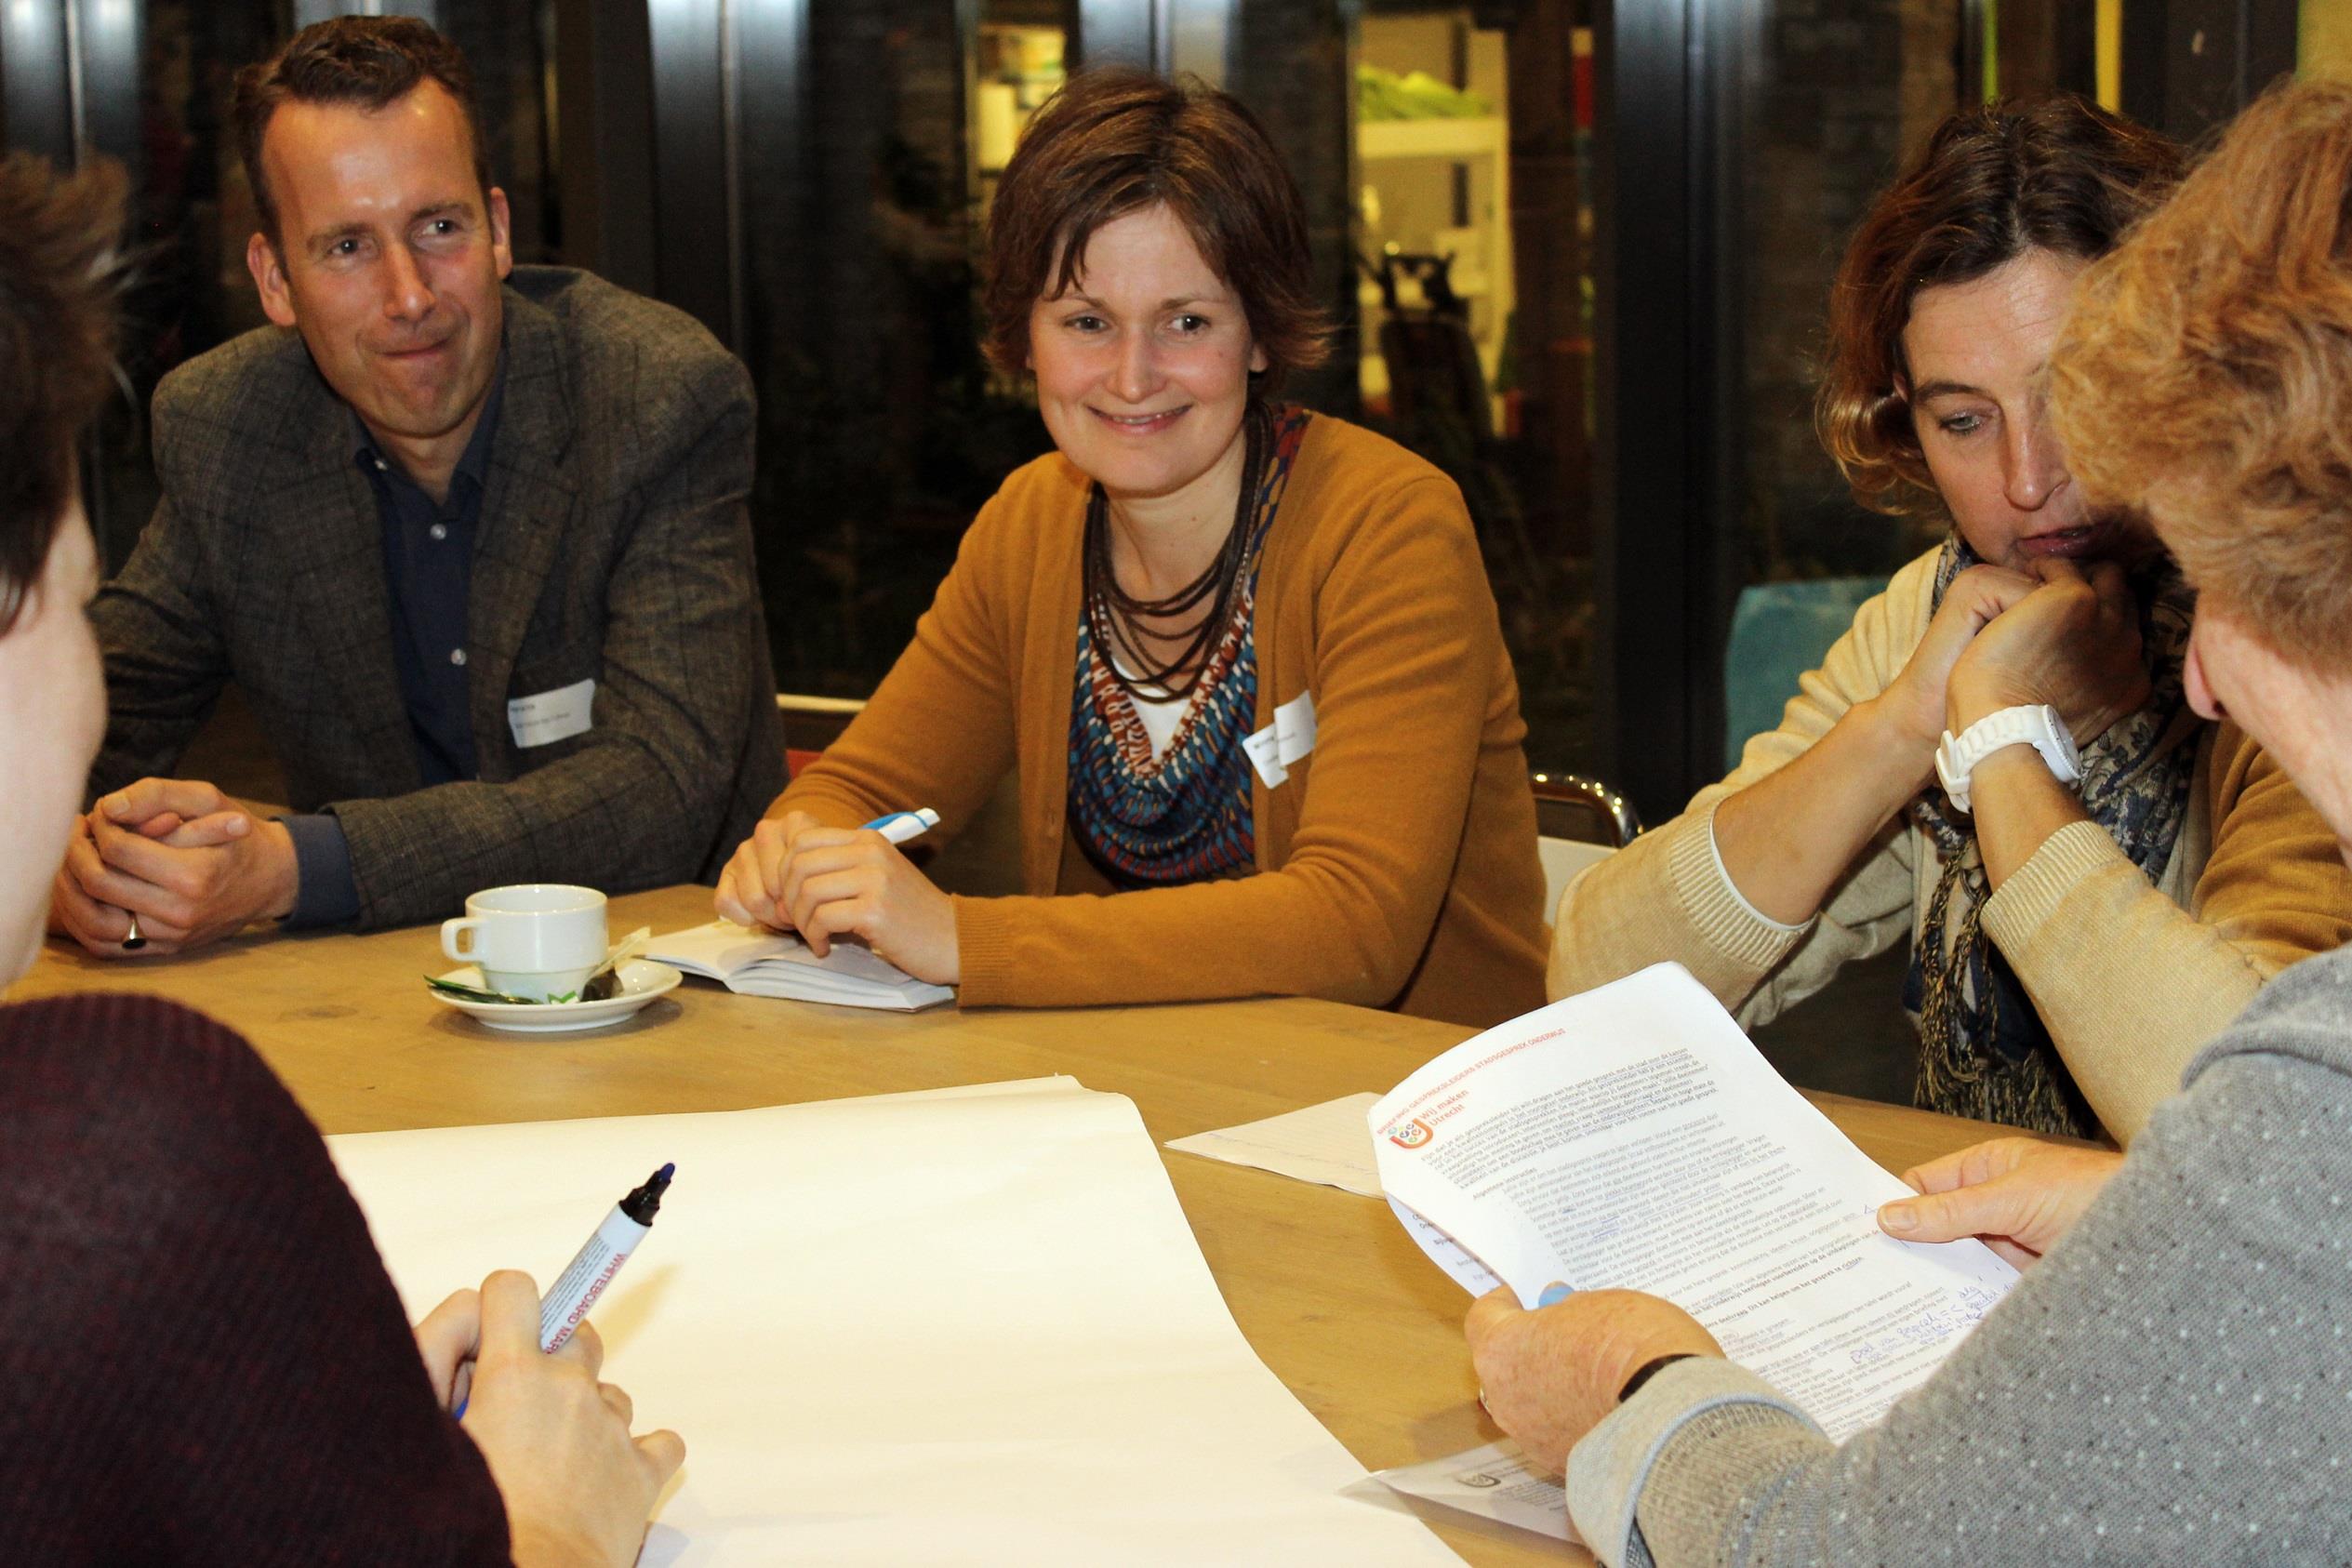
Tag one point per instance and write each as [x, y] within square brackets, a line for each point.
[614, 544]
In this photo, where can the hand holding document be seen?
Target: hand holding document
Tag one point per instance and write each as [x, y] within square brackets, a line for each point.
[1632, 1138]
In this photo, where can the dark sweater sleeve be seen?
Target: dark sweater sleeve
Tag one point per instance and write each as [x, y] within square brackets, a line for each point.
[204, 1360]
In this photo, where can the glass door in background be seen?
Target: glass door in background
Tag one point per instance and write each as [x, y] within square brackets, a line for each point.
[1473, 145]
[1445, 155]
[870, 135]
[1825, 105]
[1442, 163]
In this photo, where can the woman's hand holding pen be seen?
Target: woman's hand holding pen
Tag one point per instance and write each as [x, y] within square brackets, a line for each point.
[578, 1487]
[796, 875]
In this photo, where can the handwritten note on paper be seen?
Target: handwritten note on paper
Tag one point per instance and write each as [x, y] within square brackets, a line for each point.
[1327, 1144]
[1632, 1137]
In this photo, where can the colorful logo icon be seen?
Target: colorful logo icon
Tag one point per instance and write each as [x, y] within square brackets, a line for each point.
[1414, 1133]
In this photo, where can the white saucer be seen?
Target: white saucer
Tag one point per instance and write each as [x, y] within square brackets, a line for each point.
[641, 981]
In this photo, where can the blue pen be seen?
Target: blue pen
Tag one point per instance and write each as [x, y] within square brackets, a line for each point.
[899, 826]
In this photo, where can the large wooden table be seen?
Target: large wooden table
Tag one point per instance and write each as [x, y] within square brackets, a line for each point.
[1327, 1286]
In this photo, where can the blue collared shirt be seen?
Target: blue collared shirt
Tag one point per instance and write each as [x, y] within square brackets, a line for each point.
[428, 577]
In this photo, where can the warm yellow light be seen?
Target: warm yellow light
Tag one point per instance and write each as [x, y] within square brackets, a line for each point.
[2106, 52]
[2325, 40]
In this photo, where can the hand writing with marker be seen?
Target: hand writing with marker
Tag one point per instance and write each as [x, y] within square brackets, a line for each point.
[578, 1487]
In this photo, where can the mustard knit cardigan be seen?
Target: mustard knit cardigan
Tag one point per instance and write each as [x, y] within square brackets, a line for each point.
[1396, 865]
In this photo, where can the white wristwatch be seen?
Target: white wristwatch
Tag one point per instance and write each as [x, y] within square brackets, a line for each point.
[2039, 727]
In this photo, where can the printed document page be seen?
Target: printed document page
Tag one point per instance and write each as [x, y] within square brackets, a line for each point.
[1632, 1137]
[962, 1327]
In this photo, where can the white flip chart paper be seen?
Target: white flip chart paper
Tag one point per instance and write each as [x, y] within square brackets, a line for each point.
[963, 1328]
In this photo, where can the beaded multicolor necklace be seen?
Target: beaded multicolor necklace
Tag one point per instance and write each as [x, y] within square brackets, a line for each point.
[1114, 617]
[1184, 816]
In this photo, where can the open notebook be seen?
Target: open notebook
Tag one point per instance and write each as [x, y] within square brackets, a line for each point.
[758, 962]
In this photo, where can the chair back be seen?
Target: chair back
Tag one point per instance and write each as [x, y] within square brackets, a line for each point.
[1779, 631]
[1564, 860]
[1569, 805]
[1579, 822]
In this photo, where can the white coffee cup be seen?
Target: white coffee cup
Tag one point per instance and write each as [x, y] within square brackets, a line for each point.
[535, 939]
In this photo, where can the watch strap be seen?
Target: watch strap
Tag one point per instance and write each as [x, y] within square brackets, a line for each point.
[1650, 1369]
[2035, 726]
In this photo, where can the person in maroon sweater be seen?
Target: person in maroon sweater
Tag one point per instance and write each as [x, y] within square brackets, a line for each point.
[201, 1358]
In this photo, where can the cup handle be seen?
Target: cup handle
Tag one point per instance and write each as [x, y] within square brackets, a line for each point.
[453, 933]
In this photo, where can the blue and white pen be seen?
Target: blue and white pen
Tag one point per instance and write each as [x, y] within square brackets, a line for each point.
[900, 827]
[593, 1267]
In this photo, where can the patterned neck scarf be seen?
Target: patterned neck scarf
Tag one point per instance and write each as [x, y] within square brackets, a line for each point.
[1184, 816]
[1983, 1051]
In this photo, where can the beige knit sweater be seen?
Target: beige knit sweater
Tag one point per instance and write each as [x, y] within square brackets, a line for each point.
[2131, 979]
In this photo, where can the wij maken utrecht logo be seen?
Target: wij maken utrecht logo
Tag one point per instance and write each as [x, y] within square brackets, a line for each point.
[1414, 1133]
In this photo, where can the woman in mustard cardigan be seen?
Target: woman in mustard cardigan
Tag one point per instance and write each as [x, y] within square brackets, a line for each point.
[1244, 657]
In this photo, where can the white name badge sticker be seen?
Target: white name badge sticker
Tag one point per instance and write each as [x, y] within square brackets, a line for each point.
[1265, 756]
[1289, 738]
[1294, 728]
[551, 715]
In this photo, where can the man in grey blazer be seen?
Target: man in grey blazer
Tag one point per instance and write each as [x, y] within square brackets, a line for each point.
[472, 540]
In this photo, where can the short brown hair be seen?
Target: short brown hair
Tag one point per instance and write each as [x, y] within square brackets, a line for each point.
[2205, 375]
[1117, 139]
[60, 268]
[2058, 174]
[366, 60]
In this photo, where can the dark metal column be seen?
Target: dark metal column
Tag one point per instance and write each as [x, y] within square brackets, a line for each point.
[697, 231]
[105, 36]
[605, 129]
[37, 111]
[1660, 459]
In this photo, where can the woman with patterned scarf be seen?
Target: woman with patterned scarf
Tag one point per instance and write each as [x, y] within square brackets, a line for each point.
[1243, 657]
[1996, 759]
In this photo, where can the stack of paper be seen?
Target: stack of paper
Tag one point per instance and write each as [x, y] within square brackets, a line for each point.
[955, 1328]
[769, 963]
